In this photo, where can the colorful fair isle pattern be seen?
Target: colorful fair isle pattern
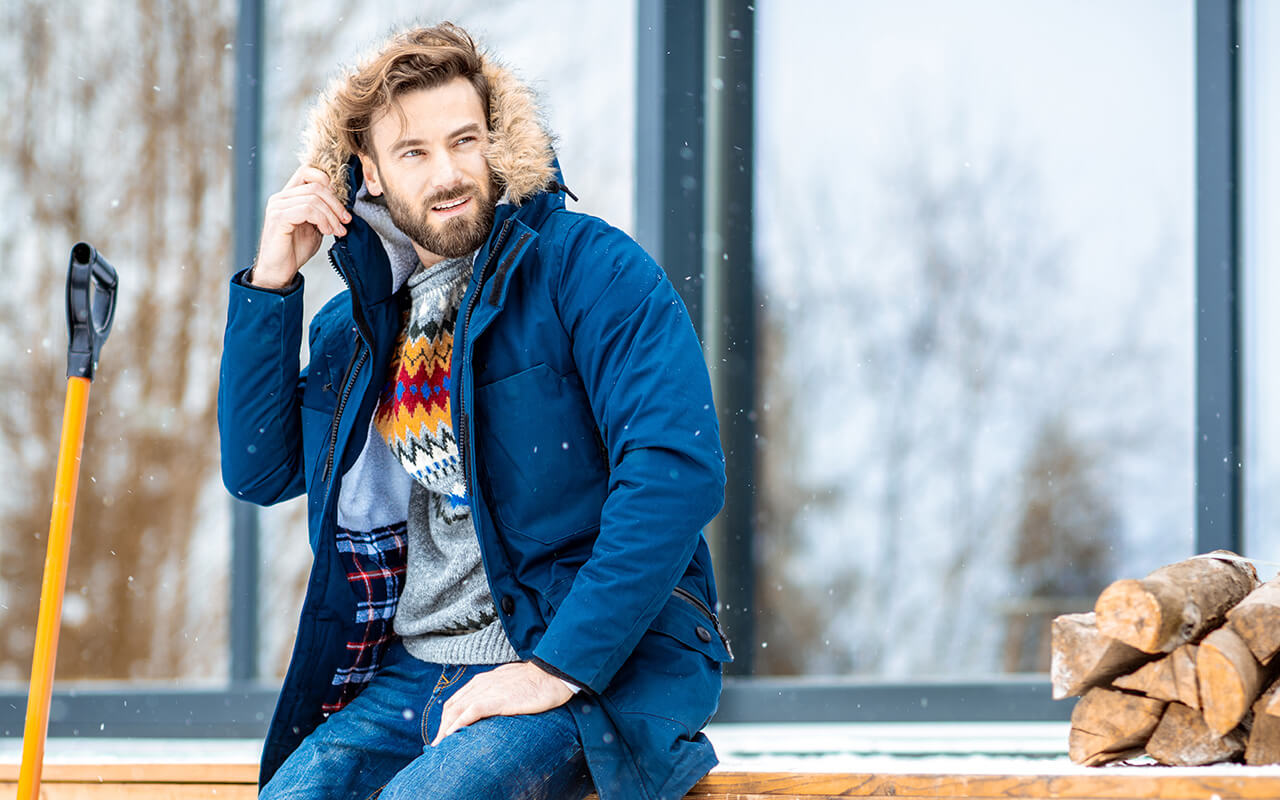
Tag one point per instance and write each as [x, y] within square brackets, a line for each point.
[414, 414]
[375, 565]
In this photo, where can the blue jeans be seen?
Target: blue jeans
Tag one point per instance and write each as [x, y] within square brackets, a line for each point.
[379, 746]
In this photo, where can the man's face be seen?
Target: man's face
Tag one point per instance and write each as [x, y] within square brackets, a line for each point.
[432, 170]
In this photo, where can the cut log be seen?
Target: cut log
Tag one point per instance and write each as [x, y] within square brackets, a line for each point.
[1108, 725]
[1182, 739]
[1171, 678]
[1175, 604]
[1230, 679]
[1264, 738]
[1257, 620]
[1272, 706]
[1083, 658]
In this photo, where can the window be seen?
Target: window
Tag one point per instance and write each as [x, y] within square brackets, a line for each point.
[974, 237]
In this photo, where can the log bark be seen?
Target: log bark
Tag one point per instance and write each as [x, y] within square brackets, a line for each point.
[1108, 725]
[1183, 739]
[1174, 605]
[1257, 620]
[1171, 678]
[1264, 738]
[1083, 658]
[1230, 679]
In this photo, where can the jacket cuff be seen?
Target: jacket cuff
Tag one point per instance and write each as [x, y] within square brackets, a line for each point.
[574, 685]
[245, 277]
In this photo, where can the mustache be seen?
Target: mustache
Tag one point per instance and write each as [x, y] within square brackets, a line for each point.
[454, 193]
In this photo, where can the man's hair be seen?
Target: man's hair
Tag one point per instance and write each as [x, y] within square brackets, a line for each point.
[422, 58]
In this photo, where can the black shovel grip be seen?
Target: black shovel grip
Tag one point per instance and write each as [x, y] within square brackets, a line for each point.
[91, 306]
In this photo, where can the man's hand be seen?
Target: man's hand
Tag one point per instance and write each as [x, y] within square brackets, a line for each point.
[296, 220]
[509, 690]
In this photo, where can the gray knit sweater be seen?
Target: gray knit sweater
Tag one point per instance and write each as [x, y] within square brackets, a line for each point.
[446, 613]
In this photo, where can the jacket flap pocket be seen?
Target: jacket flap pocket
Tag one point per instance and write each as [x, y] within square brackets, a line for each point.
[690, 626]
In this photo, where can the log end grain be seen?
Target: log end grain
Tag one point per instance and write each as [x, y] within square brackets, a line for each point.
[1257, 620]
[1128, 612]
[1229, 677]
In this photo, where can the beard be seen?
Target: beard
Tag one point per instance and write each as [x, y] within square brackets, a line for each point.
[455, 237]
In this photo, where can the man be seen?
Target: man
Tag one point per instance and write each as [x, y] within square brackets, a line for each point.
[507, 441]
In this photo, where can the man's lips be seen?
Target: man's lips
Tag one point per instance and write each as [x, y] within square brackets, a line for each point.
[452, 207]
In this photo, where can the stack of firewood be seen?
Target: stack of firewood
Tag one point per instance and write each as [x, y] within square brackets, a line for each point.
[1180, 665]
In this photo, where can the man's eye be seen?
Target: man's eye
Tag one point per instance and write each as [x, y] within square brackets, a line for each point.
[410, 153]
[466, 140]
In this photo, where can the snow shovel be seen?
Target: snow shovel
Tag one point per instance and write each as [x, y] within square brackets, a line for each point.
[91, 305]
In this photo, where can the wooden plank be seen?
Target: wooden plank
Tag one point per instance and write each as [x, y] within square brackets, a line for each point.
[1106, 784]
[140, 773]
[1175, 604]
[136, 791]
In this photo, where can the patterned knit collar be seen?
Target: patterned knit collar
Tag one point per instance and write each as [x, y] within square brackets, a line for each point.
[448, 271]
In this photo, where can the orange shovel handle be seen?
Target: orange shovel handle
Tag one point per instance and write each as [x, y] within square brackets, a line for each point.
[51, 590]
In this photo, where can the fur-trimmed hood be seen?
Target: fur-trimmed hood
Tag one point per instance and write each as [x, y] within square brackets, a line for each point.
[521, 148]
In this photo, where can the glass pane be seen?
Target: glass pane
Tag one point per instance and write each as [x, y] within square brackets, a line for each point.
[1261, 72]
[122, 141]
[587, 85]
[974, 237]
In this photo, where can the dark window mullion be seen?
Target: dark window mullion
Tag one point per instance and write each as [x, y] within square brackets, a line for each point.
[1219, 407]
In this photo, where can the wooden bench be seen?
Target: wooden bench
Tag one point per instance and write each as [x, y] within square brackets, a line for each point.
[916, 761]
[237, 782]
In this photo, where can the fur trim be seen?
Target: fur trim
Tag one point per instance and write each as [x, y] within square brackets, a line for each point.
[521, 148]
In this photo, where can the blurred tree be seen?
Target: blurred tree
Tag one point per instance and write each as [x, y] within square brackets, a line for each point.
[119, 130]
[1062, 553]
[917, 336]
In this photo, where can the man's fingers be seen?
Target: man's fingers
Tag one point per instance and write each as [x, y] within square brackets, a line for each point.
[511, 689]
[307, 174]
[312, 191]
[297, 210]
[460, 716]
[460, 699]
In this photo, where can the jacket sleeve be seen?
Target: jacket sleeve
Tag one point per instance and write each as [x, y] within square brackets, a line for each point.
[641, 363]
[259, 387]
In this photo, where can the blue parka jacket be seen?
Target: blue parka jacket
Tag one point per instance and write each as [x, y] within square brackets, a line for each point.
[584, 418]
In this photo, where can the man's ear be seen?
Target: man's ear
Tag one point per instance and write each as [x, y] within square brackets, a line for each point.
[371, 178]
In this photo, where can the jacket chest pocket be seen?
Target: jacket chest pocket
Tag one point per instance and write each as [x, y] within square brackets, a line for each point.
[539, 454]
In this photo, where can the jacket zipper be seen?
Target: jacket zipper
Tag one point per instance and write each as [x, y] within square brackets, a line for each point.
[692, 599]
[463, 417]
[348, 382]
[353, 369]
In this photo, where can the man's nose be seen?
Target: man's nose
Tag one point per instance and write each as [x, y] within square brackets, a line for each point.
[448, 176]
